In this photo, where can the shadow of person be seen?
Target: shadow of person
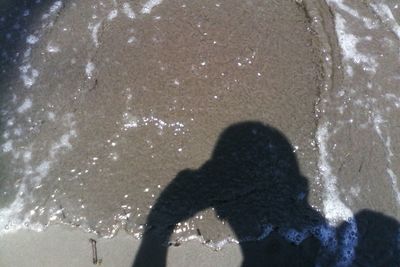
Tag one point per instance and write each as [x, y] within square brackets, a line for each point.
[252, 181]
[378, 240]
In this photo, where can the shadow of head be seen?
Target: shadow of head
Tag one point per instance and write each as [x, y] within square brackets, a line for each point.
[250, 151]
[254, 173]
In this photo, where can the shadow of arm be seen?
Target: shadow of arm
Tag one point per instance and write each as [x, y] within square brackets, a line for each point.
[176, 203]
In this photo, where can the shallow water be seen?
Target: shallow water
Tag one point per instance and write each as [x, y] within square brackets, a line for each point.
[140, 111]
[104, 103]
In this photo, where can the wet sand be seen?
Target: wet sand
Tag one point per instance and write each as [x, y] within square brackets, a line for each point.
[124, 102]
[111, 103]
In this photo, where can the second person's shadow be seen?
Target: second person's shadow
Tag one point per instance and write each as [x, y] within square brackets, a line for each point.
[252, 180]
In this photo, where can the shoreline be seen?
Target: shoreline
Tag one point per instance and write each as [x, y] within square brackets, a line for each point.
[62, 246]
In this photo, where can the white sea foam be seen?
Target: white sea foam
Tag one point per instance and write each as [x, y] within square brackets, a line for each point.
[345, 16]
[7, 146]
[6, 135]
[387, 17]
[41, 171]
[131, 40]
[32, 39]
[63, 143]
[11, 217]
[348, 43]
[27, 53]
[10, 220]
[128, 11]
[353, 29]
[130, 121]
[51, 115]
[94, 28]
[112, 15]
[149, 5]
[28, 75]
[18, 131]
[27, 156]
[10, 122]
[335, 210]
[53, 9]
[344, 7]
[27, 104]
[89, 69]
[56, 7]
[52, 48]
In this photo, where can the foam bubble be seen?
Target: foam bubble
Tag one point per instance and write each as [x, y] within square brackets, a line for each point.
[347, 244]
[53, 9]
[7, 146]
[27, 53]
[130, 121]
[127, 10]
[11, 217]
[89, 69]
[32, 39]
[51, 115]
[149, 5]
[387, 17]
[27, 104]
[18, 131]
[131, 39]
[28, 75]
[63, 143]
[52, 48]
[349, 42]
[95, 29]
[112, 15]
[27, 156]
[345, 7]
[294, 235]
[334, 209]
[326, 234]
[26, 13]
[43, 168]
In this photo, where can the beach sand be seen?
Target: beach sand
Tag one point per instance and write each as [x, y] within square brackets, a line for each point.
[107, 106]
[63, 246]
[66, 247]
